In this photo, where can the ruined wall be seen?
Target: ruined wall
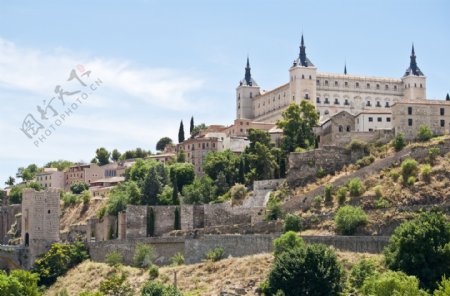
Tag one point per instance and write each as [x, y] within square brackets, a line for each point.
[342, 139]
[164, 248]
[164, 219]
[7, 219]
[136, 221]
[192, 217]
[304, 166]
[225, 214]
[360, 244]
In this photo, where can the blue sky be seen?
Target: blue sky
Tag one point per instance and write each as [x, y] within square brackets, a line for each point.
[163, 61]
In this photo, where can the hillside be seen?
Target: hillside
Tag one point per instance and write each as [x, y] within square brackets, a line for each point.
[235, 275]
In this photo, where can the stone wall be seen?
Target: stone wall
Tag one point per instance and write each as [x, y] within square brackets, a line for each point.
[7, 219]
[164, 248]
[342, 139]
[192, 217]
[225, 214]
[304, 166]
[359, 244]
[136, 217]
[263, 227]
[164, 219]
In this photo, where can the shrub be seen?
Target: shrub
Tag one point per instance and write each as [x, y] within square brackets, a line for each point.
[321, 173]
[288, 241]
[114, 258]
[58, 260]
[348, 219]
[273, 209]
[365, 161]
[357, 145]
[215, 255]
[394, 174]
[177, 259]
[19, 282]
[116, 284]
[411, 181]
[421, 247]
[443, 288]
[378, 192]
[143, 255]
[433, 152]
[382, 203]
[238, 193]
[392, 283]
[86, 196]
[317, 201]
[153, 288]
[328, 193]
[409, 168]
[355, 187]
[341, 194]
[399, 142]
[292, 223]
[424, 133]
[359, 272]
[101, 212]
[69, 199]
[78, 187]
[153, 272]
[310, 270]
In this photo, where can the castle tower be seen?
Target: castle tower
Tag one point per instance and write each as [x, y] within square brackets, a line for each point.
[414, 81]
[303, 78]
[245, 92]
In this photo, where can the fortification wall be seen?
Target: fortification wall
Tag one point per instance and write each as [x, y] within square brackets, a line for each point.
[164, 219]
[164, 248]
[342, 139]
[136, 221]
[7, 219]
[304, 166]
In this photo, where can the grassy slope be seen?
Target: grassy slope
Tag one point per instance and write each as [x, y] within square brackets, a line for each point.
[198, 279]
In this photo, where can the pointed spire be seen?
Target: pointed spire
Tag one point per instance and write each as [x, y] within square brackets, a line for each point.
[345, 69]
[413, 68]
[412, 50]
[248, 74]
[447, 98]
[302, 55]
[302, 43]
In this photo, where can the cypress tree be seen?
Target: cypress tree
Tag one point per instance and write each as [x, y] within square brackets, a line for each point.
[150, 222]
[175, 192]
[181, 133]
[192, 125]
[177, 222]
[242, 171]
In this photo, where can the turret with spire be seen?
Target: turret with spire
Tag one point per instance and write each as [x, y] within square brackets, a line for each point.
[247, 90]
[345, 69]
[413, 68]
[303, 60]
[447, 98]
[248, 81]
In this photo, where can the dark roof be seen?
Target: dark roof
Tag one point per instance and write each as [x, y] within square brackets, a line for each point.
[302, 59]
[248, 80]
[413, 69]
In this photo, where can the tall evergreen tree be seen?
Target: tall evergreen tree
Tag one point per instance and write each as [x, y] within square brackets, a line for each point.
[175, 192]
[152, 187]
[241, 176]
[181, 133]
[191, 128]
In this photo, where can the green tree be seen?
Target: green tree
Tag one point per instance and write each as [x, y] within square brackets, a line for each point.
[163, 142]
[362, 270]
[61, 164]
[78, 187]
[28, 173]
[115, 155]
[287, 242]
[424, 133]
[392, 283]
[292, 223]
[183, 173]
[348, 219]
[154, 288]
[225, 162]
[19, 283]
[201, 191]
[310, 270]
[10, 181]
[261, 162]
[117, 201]
[191, 127]
[116, 285]
[297, 124]
[421, 247]
[144, 255]
[198, 128]
[181, 156]
[175, 200]
[399, 142]
[443, 288]
[221, 184]
[181, 133]
[151, 188]
[102, 155]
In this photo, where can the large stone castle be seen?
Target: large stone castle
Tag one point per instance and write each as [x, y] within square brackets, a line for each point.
[329, 92]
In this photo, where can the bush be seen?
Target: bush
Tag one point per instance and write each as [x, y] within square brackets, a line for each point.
[116, 284]
[433, 152]
[399, 142]
[348, 219]
[86, 196]
[355, 187]
[20, 283]
[409, 168]
[321, 173]
[328, 193]
[359, 272]
[341, 194]
[378, 192]
[288, 241]
[310, 270]
[392, 283]
[58, 260]
[238, 193]
[382, 203]
[114, 258]
[443, 288]
[143, 255]
[273, 209]
[394, 174]
[421, 247]
[411, 181]
[215, 255]
[153, 272]
[357, 145]
[153, 288]
[177, 259]
[292, 223]
[69, 199]
[424, 133]
[317, 201]
[78, 187]
[365, 161]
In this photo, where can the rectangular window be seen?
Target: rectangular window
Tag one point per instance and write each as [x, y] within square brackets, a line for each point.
[410, 122]
[442, 111]
[379, 119]
[388, 119]
[442, 123]
[370, 119]
[409, 110]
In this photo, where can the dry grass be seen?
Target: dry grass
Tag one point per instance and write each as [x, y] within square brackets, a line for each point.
[80, 213]
[207, 278]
